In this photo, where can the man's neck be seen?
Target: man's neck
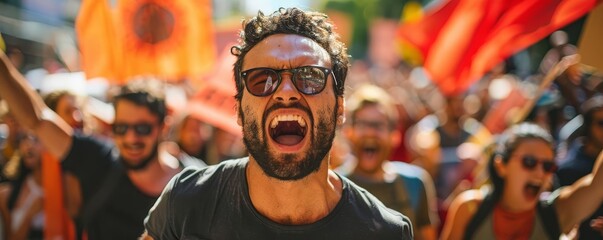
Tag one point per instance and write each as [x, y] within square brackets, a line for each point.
[297, 202]
[153, 178]
[375, 176]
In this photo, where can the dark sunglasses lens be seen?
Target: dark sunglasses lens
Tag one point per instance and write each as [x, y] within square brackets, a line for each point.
[261, 82]
[143, 129]
[310, 80]
[119, 129]
[529, 162]
[549, 166]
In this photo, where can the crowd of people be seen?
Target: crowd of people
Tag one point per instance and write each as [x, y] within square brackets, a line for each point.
[331, 148]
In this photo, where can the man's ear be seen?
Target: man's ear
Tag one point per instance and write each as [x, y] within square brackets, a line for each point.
[340, 111]
[239, 118]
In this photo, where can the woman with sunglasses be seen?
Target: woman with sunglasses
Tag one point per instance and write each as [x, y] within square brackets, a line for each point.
[515, 205]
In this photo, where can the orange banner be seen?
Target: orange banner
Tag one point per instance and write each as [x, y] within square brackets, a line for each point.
[173, 40]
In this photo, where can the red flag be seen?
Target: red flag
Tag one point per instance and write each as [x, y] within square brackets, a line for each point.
[463, 39]
[169, 39]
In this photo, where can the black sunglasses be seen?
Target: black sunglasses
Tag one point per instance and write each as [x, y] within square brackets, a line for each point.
[529, 162]
[308, 80]
[141, 129]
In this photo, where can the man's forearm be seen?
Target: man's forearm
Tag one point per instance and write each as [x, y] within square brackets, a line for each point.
[22, 100]
[30, 111]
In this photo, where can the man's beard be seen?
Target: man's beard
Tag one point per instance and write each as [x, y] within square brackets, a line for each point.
[142, 164]
[286, 167]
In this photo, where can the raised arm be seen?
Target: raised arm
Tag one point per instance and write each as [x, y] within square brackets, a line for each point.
[460, 213]
[31, 112]
[579, 200]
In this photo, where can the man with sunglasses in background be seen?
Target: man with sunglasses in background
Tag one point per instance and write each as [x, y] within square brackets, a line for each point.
[117, 189]
[580, 160]
[290, 74]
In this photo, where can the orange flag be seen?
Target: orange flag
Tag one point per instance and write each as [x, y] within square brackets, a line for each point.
[97, 40]
[58, 224]
[173, 39]
[463, 39]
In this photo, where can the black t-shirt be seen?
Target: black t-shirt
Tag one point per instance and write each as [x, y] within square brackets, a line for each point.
[214, 203]
[121, 214]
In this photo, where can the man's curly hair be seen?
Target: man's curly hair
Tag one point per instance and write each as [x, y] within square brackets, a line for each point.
[308, 24]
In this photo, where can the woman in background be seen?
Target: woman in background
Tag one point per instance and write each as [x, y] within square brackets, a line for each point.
[516, 207]
[21, 199]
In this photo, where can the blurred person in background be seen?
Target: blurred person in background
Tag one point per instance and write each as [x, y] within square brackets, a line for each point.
[451, 134]
[434, 142]
[515, 205]
[581, 157]
[373, 134]
[65, 104]
[117, 189]
[21, 198]
[192, 137]
[342, 158]
[9, 146]
[225, 145]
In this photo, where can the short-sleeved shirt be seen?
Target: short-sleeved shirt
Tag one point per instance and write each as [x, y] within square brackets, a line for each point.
[407, 193]
[121, 215]
[214, 203]
[546, 222]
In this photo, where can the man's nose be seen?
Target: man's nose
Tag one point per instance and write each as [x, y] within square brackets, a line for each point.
[130, 135]
[286, 92]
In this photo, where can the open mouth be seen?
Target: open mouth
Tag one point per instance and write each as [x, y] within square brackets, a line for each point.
[288, 129]
[135, 148]
[369, 148]
[369, 151]
[532, 190]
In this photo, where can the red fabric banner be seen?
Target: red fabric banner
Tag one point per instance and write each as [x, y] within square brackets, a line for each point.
[463, 39]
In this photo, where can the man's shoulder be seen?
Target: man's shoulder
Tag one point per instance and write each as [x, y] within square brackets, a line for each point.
[87, 144]
[410, 173]
[86, 138]
[89, 155]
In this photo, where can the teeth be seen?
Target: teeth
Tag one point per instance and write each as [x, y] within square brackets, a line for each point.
[290, 117]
